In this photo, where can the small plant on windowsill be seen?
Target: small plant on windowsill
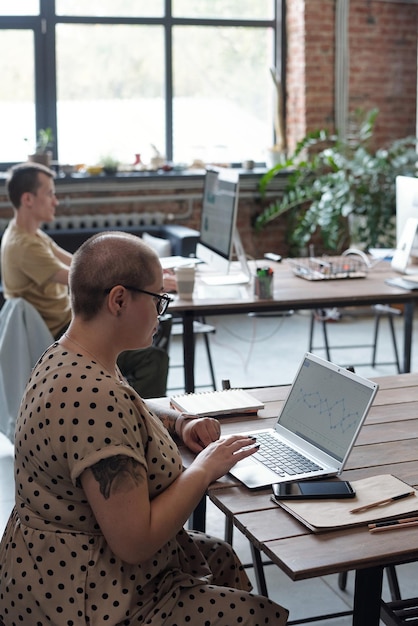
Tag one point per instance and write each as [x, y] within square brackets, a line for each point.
[43, 150]
[342, 194]
[110, 165]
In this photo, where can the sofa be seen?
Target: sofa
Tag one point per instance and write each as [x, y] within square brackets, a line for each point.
[182, 239]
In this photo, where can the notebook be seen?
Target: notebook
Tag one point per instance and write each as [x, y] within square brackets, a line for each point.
[225, 402]
[320, 421]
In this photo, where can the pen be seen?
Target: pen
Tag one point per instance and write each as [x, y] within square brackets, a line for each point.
[372, 505]
[264, 271]
[394, 526]
[394, 522]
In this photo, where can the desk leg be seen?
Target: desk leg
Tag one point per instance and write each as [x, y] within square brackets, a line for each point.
[407, 342]
[188, 351]
[197, 519]
[367, 595]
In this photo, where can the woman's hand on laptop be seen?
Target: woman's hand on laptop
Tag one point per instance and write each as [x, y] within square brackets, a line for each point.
[219, 456]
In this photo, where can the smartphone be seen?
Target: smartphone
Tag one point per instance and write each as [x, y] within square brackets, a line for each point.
[313, 489]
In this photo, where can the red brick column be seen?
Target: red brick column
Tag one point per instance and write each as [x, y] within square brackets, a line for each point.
[382, 65]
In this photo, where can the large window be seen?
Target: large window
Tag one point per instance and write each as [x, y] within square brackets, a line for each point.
[190, 80]
[17, 94]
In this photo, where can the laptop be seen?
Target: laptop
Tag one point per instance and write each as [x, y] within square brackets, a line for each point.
[319, 423]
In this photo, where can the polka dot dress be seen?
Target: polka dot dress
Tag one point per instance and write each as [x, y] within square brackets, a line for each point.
[55, 565]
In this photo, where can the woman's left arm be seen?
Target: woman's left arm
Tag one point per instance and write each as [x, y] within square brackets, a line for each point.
[195, 432]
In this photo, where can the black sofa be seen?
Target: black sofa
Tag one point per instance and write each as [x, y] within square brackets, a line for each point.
[183, 240]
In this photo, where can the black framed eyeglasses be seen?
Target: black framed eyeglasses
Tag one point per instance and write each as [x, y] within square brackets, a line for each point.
[162, 300]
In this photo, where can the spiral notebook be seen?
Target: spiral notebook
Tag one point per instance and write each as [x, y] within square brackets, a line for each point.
[212, 403]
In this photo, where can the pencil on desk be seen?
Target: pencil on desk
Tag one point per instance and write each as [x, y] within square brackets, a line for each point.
[393, 522]
[395, 526]
[373, 505]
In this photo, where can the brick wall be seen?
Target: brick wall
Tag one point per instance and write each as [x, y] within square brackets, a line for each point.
[383, 69]
[382, 65]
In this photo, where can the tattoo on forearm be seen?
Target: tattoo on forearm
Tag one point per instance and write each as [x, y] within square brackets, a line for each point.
[169, 421]
[117, 473]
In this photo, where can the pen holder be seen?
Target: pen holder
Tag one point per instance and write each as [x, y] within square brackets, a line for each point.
[263, 284]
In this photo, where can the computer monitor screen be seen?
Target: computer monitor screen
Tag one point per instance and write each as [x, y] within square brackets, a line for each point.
[218, 234]
[406, 203]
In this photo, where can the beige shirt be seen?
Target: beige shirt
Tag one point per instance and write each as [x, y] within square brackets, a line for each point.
[28, 262]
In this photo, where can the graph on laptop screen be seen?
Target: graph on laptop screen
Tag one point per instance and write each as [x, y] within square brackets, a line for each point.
[219, 238]
[334, 402]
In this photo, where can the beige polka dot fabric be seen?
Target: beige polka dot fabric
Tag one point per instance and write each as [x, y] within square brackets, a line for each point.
[55, 565]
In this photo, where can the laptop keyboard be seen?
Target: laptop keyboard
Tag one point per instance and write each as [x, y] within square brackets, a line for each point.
[282, 459]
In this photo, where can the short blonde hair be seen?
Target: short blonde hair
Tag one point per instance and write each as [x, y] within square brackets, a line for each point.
[107, 259]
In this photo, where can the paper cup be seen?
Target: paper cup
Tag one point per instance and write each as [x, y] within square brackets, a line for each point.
[185, 277]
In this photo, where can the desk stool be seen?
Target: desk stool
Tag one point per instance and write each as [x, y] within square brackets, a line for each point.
[400, 612]
[200, 328]
[380, 310]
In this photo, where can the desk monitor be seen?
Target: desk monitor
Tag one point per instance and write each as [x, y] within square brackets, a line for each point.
[401, 261]
[406, 204]
[219, 238]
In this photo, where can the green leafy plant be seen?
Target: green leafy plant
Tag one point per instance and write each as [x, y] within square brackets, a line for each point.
[44, 141]
[110, 164]
[337, 181]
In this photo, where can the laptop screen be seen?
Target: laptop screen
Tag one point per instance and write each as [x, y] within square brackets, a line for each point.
[326, 405]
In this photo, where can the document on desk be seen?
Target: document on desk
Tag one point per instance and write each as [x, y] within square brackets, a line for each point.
[170, 262]
[325, 515]
[222, 292]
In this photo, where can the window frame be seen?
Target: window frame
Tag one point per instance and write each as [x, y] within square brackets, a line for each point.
[44, 29]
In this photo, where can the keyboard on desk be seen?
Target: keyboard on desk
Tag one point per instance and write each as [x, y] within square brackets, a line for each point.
[281, 458]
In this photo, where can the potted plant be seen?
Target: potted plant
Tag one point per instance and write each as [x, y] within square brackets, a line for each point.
[343, 193]
[43, 150]
[110, 165]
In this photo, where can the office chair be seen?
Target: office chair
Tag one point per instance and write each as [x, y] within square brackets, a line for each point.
[147, 370]
[24, 337]
[379, 311]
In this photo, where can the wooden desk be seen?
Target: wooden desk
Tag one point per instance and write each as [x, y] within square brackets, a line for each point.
[387, 443]
[291, 292]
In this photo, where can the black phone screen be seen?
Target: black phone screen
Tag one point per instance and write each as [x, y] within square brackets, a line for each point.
[306, 489]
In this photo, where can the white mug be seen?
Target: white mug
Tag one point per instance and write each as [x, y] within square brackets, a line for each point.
[185, 281]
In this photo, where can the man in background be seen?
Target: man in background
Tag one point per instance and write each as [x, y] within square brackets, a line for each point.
[35, 268]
